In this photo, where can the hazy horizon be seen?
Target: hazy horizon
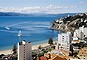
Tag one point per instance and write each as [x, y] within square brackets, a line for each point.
[43, 6]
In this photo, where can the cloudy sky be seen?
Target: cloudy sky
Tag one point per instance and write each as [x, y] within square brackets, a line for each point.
[43, 6]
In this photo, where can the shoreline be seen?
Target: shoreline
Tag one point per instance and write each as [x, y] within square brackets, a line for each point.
[6, 52]
[33, 44]
[9, 51]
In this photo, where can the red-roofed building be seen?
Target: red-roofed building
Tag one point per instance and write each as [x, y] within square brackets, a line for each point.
[42, 58]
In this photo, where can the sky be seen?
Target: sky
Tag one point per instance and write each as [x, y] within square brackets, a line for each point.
[44, 6]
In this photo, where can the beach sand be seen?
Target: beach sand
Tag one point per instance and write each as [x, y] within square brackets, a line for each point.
[6, 52]
[42, 45]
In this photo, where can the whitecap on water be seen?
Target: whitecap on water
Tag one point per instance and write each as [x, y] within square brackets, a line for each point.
[8, 28]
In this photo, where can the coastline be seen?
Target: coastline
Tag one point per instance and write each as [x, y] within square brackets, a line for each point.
[6, 52]
[9, 51]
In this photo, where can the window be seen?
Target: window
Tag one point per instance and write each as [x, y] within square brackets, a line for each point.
[62, 40]
[80, 55]
[24, 52]
[24, 57]
[62, 36]
[82, 52]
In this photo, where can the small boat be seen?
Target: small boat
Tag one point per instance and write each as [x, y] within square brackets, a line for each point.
[68, 15]
[7, 28]
[20, 34]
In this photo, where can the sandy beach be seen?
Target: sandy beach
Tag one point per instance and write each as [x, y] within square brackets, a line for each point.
[6, 52]
[42, 45]
[33, 47]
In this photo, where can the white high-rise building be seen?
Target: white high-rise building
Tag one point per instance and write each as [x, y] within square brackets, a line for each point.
[24, 51]
[64, 40]
[81, 32]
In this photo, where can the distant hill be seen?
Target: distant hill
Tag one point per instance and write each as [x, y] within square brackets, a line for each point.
[11, 14]
[34, 15]
[70, 23]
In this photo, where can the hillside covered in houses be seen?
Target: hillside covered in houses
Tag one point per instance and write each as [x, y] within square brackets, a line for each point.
[70, 23]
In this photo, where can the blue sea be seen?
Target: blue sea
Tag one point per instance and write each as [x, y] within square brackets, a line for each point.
[34, 29]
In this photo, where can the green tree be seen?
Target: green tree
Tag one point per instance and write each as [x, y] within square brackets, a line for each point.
[14, 49]
[2, 55]
[39, 47]
[41, 54]
[75, 54]
[85, 45]
[50, 41]
[49, 49]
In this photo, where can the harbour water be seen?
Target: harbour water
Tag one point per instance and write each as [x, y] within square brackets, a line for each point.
[33, 29]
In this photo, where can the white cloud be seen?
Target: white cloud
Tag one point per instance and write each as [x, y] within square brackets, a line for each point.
[82, 2]
[68, 7]
[37, 9]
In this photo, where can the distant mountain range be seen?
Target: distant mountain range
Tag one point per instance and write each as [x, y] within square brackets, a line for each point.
[11, 14]
[34, 15]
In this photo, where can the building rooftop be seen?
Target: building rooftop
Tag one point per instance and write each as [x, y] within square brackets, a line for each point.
[83, 53]
[42, 58]
[75, 41]
[56, 57]
[23, 42]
